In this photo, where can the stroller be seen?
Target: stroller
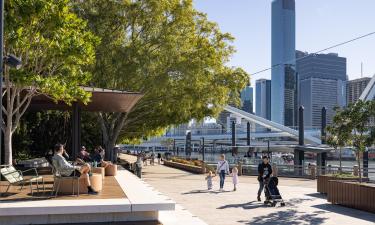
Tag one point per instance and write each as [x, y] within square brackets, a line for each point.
[272, 192]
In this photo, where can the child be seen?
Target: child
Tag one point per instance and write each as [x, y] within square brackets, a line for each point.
[209, 179]
[235, 178]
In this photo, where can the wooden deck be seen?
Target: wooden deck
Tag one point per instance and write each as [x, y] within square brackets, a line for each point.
[111, 190]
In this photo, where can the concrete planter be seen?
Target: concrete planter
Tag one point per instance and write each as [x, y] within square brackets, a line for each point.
[189, 168]
[352, 194]
[322, 185]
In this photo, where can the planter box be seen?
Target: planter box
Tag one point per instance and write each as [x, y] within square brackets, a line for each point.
[322, 185]
[189, 168]
[352, 194]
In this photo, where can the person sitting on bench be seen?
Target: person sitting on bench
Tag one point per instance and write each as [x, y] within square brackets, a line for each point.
[66, 169]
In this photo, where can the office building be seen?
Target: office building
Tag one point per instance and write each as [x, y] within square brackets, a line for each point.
[247, 99]
[263, 98]
[322, 83]
[283, 75]
[354, 89]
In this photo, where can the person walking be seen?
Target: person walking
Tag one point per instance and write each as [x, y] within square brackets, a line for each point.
[264, 173]
[234, 178]
[222, 169]
[138, 166]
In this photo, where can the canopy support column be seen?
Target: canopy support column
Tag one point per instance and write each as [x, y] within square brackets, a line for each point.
[76, 130]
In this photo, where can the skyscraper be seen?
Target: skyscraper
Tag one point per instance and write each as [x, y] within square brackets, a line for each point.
[321, 79]
[247, 99]
[263, 98]
[283, 75]
[354, 89]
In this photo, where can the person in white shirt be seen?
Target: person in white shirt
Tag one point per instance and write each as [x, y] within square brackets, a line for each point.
[65, 169]
[222, 169]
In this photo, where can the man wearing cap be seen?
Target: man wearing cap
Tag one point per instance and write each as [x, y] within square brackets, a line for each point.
[264, 172]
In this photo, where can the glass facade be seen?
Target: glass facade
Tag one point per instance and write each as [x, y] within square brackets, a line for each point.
[263, 98]
[322, 83]
[247, 99]
[283, 75]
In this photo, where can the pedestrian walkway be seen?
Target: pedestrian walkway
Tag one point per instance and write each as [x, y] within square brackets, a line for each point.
[303, 204]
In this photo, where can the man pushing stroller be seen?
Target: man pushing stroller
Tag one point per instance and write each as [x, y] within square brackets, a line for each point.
[269, 184]
[264, 173]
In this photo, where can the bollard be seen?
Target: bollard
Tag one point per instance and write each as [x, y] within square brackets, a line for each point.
[355, 171]
[203, 168]
[239, 169]
[312, 171]
[274, 170]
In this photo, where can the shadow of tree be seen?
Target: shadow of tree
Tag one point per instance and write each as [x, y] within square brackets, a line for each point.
[346, 211]
[203, 192]
[247, 205]
[288, 217]
[317, 195]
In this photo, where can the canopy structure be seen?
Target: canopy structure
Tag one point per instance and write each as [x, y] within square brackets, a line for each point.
[102, 100]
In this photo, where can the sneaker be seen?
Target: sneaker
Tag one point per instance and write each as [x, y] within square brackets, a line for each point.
[259, 199]
[234, 189]
[93, 192]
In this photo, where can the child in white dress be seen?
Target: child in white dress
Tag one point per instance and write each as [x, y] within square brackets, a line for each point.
[235, 178]
[209, 180]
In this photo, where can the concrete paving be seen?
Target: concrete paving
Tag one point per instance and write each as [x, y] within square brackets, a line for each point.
[303, 204]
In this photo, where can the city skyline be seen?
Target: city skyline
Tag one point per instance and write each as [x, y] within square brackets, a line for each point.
[254, 44]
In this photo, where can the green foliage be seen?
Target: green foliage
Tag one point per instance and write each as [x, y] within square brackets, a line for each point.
[168, 51]
[53, 44]
[40, 131]
[353, 125]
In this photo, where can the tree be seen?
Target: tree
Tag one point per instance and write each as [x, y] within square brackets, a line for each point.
[338, 133]
[168, 51]
[360, 134]
[54, 46]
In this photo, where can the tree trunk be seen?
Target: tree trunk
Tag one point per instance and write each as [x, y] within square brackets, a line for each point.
[111, 128]
[340, 156]
[8, 146]
[359, 165]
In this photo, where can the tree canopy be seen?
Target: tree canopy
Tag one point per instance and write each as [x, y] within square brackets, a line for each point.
[167, 50]
[55, 47]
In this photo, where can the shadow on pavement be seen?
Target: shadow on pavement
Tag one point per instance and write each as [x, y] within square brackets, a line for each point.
[203, 192]
[346, 211]
[317, 195]
[287, 217]
[248, 205]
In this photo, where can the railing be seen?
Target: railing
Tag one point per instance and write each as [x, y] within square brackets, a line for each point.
[305, 171]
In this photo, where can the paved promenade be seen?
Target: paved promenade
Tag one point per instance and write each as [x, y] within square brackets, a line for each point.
[303, 204]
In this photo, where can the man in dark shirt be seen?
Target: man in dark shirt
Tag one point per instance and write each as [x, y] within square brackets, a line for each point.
[264, 172]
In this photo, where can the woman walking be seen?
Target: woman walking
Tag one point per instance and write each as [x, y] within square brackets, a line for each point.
[222, 169]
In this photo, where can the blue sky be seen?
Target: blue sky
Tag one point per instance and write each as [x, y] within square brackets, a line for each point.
[319, 24]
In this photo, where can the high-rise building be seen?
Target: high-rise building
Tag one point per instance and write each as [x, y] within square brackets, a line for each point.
[263, 98]
[354, 89]
[247, 99]
[283, 75]
[322, 83]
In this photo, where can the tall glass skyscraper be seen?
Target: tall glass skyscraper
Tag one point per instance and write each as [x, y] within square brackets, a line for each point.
[283, 75]
[322, 83]
[247, 99]
[263, 98]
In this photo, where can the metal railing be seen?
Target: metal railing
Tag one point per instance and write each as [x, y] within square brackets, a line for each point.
[303, 171]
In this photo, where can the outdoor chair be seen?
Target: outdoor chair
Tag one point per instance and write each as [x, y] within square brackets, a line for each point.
[58, 178]
[16, 177]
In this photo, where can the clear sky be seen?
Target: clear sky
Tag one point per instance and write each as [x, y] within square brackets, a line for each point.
[319, 24]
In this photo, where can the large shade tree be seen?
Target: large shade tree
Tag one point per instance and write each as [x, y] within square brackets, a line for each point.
[54, 46]
[168, 51]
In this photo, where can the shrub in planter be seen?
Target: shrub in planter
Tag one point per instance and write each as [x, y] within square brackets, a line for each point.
[322, 184]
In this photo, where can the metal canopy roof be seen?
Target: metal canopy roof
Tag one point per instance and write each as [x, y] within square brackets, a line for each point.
[102, 100]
